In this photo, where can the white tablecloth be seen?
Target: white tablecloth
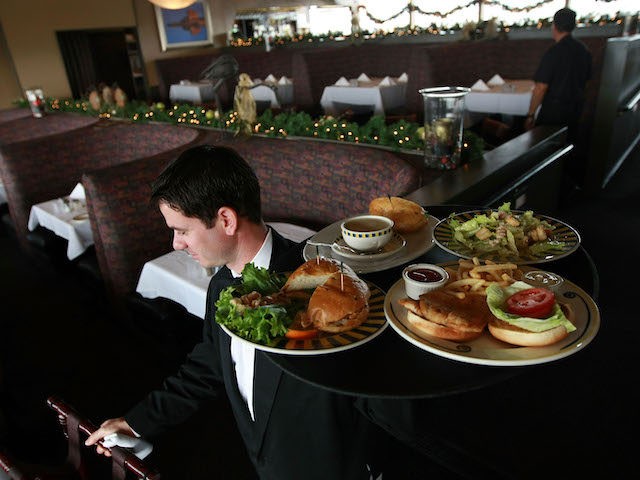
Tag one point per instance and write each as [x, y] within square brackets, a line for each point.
[178, 277]
[378, 98]
[69, 223]
[513, 98]
[283, 94]
[192, 92]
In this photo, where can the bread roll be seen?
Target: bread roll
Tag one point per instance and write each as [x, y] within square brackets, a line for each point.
[407, 216]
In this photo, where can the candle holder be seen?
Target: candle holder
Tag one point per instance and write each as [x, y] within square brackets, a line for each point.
[443, 116]
[35, 97]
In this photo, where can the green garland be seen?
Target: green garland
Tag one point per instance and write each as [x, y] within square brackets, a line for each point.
[398, 136]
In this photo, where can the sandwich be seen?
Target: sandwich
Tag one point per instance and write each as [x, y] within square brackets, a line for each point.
[341, 303]
[526, 316]
[442, 315]
[310, 274]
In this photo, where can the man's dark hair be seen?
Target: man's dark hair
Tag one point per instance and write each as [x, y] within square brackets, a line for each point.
[565, 20]
[205, 178]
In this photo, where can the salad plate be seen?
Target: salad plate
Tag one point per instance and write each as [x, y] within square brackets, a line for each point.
[328, 343]
[487, 350]
[417, 244]
[565, 240]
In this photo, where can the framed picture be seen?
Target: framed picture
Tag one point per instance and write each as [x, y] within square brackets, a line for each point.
[185, 27]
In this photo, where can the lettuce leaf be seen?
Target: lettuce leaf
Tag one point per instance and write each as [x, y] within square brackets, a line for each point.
[497, 297]
[261, 324]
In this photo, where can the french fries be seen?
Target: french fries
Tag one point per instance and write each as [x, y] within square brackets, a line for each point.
[472, 277]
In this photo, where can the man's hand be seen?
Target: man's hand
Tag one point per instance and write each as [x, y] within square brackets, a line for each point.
[529, 123]
[113, 425]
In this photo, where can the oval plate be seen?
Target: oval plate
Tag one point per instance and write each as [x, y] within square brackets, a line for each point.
[487, 350]
[373, 326]
[562, 232]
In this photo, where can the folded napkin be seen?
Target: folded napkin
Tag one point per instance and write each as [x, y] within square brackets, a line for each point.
[138, 447]
[284, 81]
[386, 81]
[480, 86]
[342, 82]
[496, 80]
[77, 193]
[270, 78]
[403, 78]
[364, 78]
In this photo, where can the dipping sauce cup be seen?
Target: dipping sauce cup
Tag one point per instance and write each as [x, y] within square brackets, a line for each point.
[367, 233]
[421, 278]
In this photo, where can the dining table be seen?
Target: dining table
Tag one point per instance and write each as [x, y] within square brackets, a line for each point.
[513, 97]
[378, 95]
[192, 92]
[389, 367]
[273, 93]
[66, 217]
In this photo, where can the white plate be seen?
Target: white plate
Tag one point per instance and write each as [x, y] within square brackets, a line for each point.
[394, 245]
[373, 326]
[486, 350]
[418, 243]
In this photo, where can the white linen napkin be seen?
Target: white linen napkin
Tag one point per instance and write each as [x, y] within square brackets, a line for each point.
[284, 81]
[77, 193]
[403, 78]
[342, 82]
[386, 81]
[480, 86]
[364, 78]
[140, 448]
[496, 80]
[270, 79]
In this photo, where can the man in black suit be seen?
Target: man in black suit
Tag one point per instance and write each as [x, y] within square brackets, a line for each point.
[210, 198]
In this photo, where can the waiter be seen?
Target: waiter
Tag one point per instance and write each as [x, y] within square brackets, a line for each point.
[561, 78]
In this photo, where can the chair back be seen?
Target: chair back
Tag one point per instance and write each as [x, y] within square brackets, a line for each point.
[77, 429]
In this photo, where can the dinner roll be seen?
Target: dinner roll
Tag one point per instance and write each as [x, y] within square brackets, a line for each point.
[407, 216]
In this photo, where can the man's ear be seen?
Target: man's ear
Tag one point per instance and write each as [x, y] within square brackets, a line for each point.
[229, 220]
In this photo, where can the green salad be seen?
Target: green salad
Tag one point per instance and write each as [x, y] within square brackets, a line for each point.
[502, 233]
[253, 309]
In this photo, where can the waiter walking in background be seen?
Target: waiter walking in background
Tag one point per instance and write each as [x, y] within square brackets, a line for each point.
[561, 78]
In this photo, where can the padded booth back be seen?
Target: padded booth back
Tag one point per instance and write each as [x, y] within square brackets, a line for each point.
[38, 170]
[303, 182]
[27, 128]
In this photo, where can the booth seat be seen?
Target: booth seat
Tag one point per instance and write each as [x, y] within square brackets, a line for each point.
[41, 169]
[303, 182]
[29, 127]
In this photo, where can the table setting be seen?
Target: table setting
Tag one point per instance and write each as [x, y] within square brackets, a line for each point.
[68, 218]
[192, 92]
[373, 94]
[497, 95]
[276, 92]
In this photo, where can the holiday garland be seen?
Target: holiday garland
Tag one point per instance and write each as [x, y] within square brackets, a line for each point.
[398, 136]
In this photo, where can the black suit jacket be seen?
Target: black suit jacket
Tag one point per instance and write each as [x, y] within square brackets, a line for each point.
[300, 431]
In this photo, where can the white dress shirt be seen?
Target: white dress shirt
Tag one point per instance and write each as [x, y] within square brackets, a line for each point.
[242, 353]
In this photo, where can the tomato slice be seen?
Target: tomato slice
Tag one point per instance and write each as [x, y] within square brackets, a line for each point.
[533, 302]
[294, 334]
